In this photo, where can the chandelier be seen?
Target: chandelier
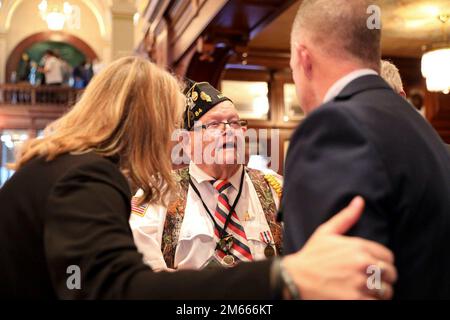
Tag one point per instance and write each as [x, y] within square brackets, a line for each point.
[54, 15]
[436, 65]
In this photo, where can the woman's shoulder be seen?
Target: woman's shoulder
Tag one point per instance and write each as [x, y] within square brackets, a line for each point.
[68, 161]
[91, 164]
[70, 166]
[39, 176]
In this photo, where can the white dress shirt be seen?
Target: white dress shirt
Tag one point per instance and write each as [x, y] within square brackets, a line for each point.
[196, 239]
[339, 85]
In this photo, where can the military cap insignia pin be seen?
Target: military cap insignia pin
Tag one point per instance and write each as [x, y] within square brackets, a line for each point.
[194, 96]
[205, 97]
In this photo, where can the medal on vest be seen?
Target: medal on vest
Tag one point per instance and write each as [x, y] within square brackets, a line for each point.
[215, 262]
[225, 245]
[269, 251]
[228, 260]
[266, 237]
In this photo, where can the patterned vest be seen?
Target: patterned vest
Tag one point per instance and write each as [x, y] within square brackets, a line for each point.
[176, 208]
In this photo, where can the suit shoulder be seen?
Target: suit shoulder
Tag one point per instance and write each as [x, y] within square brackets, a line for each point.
[331, 117]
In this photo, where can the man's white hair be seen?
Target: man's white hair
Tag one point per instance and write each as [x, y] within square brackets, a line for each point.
[391, 74]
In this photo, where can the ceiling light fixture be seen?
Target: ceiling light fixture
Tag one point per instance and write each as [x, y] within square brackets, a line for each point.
[436, 64]
[54, 15]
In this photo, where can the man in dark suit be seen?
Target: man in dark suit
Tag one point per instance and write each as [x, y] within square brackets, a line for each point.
[360, 137]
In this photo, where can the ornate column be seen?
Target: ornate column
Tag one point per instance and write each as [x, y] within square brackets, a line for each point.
[3, 56]
[122, 35]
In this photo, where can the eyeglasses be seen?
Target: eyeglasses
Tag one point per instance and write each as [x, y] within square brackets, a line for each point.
[216, 125]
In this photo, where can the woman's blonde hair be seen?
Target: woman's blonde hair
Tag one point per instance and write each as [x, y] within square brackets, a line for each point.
[128, 111]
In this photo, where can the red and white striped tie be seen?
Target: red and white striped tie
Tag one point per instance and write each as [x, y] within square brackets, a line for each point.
[240, 249]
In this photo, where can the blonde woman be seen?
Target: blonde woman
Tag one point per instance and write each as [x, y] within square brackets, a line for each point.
[64, 214]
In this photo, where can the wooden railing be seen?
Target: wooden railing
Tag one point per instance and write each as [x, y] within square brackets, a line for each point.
[28, 95]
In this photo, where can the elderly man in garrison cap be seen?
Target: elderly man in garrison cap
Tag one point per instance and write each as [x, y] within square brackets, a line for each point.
[223, 213]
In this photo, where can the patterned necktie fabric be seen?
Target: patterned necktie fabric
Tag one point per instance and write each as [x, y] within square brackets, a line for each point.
[239, 248]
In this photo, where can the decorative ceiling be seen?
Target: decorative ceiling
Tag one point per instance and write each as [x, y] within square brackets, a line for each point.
[408, 26]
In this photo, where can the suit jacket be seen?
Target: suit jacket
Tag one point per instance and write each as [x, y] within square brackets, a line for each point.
[74, 211]
[369, 141]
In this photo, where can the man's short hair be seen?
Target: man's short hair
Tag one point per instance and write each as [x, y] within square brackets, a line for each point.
[339, 27]
[391, 74]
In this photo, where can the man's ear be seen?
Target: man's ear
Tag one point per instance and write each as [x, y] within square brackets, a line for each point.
[305, 60]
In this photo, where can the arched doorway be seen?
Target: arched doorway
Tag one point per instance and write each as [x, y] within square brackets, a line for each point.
[47, 37]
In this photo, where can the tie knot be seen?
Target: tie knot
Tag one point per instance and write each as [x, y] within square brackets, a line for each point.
[221, 185]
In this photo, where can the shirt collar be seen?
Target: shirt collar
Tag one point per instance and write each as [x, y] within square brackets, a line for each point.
[339, 85]
[201, 176]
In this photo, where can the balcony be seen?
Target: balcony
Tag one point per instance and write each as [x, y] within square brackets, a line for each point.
[28, 95]
[23, 106]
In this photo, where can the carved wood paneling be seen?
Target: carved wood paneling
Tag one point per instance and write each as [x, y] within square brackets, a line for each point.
[207, 25]
[29, 117]
[438, 113]
[161, 50]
